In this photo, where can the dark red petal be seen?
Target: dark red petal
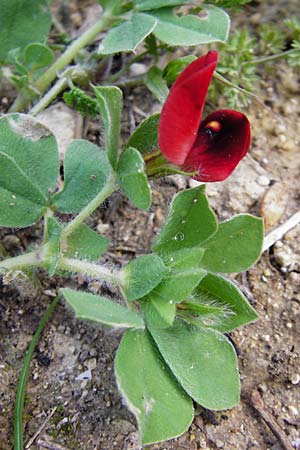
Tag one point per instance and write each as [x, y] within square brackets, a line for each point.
[181, 114]
[215, 154]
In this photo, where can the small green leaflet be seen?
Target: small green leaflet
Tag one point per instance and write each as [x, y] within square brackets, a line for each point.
[162, 409]
[37, 56]
[141, 275]
[190, 222]
[156, 84]
[132, 178]
[22, 22]
[128, 35]
[52, 247]
[191, 29]
[203, 361]
[101, 310]
[109, 100]
[85, 243]
[29, 169]
[232, 310]
[144, 138]
[82, 182]
[236, 245]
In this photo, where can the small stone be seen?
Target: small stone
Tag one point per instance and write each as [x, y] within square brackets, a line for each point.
[295, 378]
[263, 181]
[90, 363]
[76, 19]
[137, 69]
[282, 138]
[283, 255]
[86, 375]
[102, 227]
[290, 83]
[289, 145]
[93, 351]
[293, 410]
[274, 204]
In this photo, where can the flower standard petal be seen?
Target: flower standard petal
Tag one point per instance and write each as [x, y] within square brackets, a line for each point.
[182, 111]
[223, 140]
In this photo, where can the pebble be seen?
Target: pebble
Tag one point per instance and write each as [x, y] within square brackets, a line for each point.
[290, 83]
[90, 363]
[293, 410]
[289, 145]
[274, 204]
[295, 378]
[283, 254]
[137, 69]
[86, 375]
[263, 180]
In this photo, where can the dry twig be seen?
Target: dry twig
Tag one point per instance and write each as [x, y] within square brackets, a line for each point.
[258, 404]
[279, 232]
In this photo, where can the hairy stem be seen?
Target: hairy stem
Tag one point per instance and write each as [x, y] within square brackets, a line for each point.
[57, 88]
[21, 262]
[20, 397]
[42, 84]
[107, 190]
[93, 270]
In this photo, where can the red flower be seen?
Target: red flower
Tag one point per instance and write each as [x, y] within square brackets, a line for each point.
[211, 147]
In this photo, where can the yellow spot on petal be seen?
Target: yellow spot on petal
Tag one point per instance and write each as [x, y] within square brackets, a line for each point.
[214, 125]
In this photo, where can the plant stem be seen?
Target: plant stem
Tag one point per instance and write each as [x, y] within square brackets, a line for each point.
[118, 74]
[49, 76]
[56, 89]
[19, 405]
[21, 262]
[106, 191]
[93, 270]
[264, 59]
[255, 97]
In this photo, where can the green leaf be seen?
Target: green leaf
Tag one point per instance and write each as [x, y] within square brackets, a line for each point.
[174, 68]
[86, 170]
[162, 409]
[203, 361]
[132, 178]
[101, 310]
[156, 84]
[128, 35]
[52, 249]
[37, 56]
[231, 307]
[144, 138]
[190, 222]
[29, 168]
[22, 22]
[158, 312]
[236, 245]
[141, 275]
[191, 29]
[184, 275]
[144, 5]
[109, 100]
[85, 243]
